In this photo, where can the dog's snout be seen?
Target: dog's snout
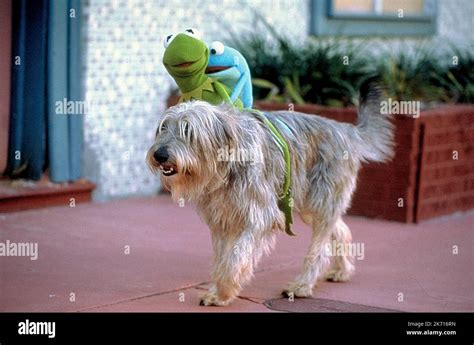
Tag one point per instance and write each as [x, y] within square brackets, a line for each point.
[161, 155]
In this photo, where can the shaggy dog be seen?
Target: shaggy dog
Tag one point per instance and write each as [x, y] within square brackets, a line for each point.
[238, 198]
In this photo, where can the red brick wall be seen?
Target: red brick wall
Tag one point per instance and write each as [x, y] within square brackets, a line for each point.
[446, 184]
[381, 186]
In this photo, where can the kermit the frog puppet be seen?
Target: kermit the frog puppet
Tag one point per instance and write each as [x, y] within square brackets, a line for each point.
[228, 66]
[186, 58]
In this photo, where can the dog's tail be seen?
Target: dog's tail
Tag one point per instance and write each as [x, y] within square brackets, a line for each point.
[375, 128]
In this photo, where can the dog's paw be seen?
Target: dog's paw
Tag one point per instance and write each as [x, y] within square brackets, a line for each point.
[297, 290]
[338, 276]
[211, 299]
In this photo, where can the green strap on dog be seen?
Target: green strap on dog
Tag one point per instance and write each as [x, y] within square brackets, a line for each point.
[285, 202]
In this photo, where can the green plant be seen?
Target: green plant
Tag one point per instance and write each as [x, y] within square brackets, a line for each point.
[324, 72]
[330, 71]
[457, 80]
[411, 75]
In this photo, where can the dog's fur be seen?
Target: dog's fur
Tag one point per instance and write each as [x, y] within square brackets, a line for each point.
[238, 199]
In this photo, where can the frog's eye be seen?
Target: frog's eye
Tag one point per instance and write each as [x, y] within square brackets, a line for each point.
[167, 40]
[216, 48]
[193, 33]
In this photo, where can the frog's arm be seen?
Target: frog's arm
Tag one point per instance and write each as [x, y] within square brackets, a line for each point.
[221, 91]
[238, 87]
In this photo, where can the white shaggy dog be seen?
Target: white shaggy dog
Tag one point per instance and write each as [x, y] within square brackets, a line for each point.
[238, 198]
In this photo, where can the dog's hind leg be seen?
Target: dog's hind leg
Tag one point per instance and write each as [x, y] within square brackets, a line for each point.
[315, 261]
[342, 262]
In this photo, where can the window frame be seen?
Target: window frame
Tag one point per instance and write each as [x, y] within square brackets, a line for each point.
[325, 22]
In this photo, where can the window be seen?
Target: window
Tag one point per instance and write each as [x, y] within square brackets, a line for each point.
[373, 17]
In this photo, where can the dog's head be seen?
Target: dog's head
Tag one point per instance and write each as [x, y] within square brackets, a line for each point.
[187, 144]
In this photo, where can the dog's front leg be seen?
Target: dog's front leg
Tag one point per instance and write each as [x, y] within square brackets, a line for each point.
[233, 265]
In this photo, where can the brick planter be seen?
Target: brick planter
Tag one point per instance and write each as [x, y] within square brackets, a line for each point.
[18, 195]
[446, 183]
[423, 177]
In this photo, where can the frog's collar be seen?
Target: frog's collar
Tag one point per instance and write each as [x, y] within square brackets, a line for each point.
[197, 92]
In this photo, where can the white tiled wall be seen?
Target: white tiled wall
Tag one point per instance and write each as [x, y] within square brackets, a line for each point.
[127, 86]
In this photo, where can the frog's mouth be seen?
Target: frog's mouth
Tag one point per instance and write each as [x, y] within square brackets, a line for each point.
[215, 69]
[184, 64]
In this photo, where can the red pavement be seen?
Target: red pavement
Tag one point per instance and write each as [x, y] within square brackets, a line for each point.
[82, 251]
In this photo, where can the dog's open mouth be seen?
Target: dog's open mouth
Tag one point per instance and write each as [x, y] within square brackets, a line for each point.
[215, 69]
[168, 169]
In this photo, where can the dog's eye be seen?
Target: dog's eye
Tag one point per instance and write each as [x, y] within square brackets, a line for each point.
[216, 48]
[193, 33]
[167, 40]
[163, 127]
[184, 129]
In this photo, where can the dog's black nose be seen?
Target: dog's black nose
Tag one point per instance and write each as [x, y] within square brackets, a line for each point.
[161, 155]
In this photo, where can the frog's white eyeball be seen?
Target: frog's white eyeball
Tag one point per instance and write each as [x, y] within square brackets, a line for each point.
[216, 48]
[193, 33]
[167, 40]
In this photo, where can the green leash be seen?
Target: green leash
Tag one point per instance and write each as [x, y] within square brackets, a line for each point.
[285, 201]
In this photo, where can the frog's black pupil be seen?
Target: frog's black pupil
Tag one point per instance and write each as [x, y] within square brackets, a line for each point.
[213, 51]
[190, 30]
[168, 38]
